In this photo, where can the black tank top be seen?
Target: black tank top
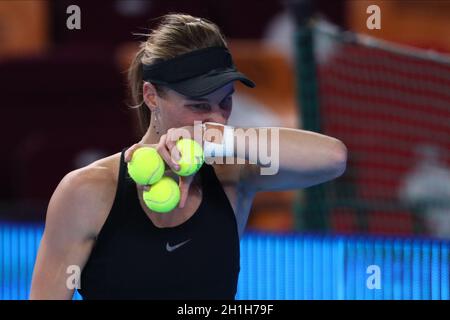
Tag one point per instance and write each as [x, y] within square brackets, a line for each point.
[134, 259]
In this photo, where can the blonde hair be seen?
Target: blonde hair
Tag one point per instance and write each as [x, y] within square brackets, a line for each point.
[176, 34]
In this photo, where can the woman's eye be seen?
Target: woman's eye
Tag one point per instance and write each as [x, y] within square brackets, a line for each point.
[226, 103]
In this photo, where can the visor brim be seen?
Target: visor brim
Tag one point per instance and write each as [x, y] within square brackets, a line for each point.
[206, 84]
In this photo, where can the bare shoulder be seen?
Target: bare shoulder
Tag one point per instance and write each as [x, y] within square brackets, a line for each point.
[84, 196]
[100, 177]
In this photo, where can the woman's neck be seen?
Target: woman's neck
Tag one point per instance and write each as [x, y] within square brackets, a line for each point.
[151, 136]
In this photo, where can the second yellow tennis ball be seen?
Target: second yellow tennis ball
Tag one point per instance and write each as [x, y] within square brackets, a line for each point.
[163, 196]
[146, 166]
[192, 157]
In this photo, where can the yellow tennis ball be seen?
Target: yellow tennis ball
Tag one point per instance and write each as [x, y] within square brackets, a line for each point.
[192, 157]
[163, 196]
[146, 166]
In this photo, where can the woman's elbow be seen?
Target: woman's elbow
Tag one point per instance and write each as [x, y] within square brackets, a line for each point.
[339, 158]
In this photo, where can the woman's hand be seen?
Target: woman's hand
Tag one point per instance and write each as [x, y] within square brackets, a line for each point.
[167, 149]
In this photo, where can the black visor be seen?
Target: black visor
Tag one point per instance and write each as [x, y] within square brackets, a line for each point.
[197, 73]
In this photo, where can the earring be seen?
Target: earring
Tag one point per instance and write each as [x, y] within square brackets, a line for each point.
[156, 122]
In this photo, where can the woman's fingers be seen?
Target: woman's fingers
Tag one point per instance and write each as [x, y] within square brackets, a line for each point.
[169, 152]
[130, 150]
[184, 185]
[166, 146]
[171, 143]
[165, 153]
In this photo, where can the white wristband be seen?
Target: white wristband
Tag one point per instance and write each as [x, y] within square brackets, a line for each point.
[223, 137]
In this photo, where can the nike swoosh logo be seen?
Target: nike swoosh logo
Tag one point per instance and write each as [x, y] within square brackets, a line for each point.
[175, 247]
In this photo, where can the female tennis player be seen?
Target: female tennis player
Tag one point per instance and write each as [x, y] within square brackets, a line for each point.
[99, 229]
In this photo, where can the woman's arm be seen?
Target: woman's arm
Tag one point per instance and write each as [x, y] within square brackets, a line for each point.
[70, 229]
[292, 158]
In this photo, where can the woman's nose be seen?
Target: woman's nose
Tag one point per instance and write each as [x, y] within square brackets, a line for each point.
[218, 117]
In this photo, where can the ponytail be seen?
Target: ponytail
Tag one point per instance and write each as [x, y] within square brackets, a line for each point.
[135, 84]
